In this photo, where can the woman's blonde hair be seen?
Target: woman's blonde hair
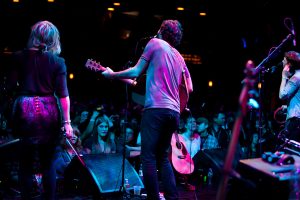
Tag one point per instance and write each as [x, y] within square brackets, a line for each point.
[45, 36]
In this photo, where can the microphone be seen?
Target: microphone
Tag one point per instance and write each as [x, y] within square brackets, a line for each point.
[274, 68]
[294, 33]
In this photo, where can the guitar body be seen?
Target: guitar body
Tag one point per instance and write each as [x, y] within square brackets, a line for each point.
[181, 160]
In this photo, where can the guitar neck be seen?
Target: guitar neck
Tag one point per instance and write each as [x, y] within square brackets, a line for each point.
[95, 66]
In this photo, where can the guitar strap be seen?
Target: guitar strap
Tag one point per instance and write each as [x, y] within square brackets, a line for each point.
[184, 81]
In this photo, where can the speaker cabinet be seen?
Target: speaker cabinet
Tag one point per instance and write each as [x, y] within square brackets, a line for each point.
[103, 172]
[214, 159]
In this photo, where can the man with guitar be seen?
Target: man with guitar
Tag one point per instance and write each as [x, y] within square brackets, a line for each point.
[166, 74]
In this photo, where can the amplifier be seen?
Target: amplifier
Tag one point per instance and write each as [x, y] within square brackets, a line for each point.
[262, 180]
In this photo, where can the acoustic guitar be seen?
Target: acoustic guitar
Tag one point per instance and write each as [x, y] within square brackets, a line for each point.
[181, 159]
[138, 94]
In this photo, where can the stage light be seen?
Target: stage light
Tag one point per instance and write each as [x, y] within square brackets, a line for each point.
[71, 76]
[259, 85]
[210, 83]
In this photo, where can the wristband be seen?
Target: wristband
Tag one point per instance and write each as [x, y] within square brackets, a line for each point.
[67, 122]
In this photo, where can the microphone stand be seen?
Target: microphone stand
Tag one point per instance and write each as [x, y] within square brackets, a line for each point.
[260, 70]
[227, 168]
[272, 54]
[123, 128]
[128, 64]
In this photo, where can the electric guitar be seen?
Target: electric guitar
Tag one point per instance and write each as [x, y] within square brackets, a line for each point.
[181, 159]
[138, 95]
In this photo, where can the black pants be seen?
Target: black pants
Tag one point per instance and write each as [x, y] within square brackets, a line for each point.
[292, 129]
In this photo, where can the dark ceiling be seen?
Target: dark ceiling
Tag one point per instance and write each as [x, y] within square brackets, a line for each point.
[230, 34]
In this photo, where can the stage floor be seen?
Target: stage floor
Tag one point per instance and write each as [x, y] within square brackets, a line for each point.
[202, 192]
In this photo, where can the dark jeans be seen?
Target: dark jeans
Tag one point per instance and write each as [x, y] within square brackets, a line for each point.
[37, 158]
[157, 127]
[292, 128]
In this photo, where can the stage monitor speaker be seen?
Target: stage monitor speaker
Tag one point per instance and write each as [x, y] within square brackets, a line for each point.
[104, 170]
[212, 159]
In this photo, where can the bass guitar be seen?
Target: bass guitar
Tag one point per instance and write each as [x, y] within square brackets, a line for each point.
[181, 159]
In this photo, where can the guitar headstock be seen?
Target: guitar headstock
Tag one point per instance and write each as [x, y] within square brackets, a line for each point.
[249, 86]
[94, 65]
[249, 71]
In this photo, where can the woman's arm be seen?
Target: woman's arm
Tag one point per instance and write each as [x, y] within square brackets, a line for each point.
[65, 108]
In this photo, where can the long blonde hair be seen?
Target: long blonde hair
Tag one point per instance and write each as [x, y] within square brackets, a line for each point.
[45, 36]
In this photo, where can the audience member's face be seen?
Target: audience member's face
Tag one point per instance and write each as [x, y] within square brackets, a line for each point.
[220, 120]
[201, 127]
[191, 124]
[129, 134]
[102, 129]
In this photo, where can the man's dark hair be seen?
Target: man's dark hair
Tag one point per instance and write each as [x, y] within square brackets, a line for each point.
[171, 31]
[293, 58]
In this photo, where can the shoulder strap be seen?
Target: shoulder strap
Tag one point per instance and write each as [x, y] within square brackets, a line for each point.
[184, 81]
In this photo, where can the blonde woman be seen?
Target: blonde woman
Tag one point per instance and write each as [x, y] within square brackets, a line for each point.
[38, 78]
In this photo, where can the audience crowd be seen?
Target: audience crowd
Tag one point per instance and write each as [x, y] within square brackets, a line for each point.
[102, 128]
